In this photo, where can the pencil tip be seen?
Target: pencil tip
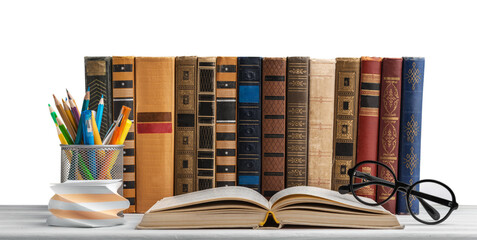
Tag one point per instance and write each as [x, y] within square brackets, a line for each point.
[88, 89]
[49, 105]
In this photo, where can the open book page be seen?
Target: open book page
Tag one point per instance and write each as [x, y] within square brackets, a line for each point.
[236, 193]
[344, 199]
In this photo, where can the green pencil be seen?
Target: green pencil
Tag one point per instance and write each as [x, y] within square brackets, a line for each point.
[53, 114]
[61, 125]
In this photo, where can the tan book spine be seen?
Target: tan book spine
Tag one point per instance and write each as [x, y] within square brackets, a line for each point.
[123, 95]
[226, 124]
[185, 159]
[206, 123]
[320, 125]
[154, 130]
[346, 118]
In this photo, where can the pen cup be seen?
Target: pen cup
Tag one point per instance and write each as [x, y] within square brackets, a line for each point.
[91, 162]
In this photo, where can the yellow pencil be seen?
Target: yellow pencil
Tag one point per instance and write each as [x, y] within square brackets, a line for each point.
[125, 132]
[60, 135]
[69, 115]
[97, 138]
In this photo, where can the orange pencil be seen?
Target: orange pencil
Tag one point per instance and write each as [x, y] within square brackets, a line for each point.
[117, 133]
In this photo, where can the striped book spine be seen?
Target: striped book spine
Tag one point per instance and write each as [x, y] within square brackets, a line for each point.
[185, 145]
[123, 95]
[206, 123]
[226, 125]
[249, 122]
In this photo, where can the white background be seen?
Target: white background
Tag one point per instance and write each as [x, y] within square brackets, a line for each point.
[43, 43]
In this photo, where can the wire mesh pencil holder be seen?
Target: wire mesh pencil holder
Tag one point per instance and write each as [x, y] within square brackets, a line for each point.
[92, 162]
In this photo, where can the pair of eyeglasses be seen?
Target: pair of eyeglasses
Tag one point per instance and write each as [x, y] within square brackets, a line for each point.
[436, 198]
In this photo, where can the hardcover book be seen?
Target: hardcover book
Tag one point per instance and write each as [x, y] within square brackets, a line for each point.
[389, 116]
[226, 124]
[123, 95]
[240, 207]
[249, 122]
[98, 79]
[346, 118]
[411, 127]
[368, 119]
[185, 145]
[273, 121]
[297, 121]
[320, 125]
[206, 123]
[154, 130]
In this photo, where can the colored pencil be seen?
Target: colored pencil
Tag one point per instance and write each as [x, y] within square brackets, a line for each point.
[97, 138]
[75, 113]
[117, 133]
[85, 102]
[99, 115]
[65, 118]
[68, 113]
[72, 99]
[79, 134]
[60, 135]
[65, 132]
[109, 135]
[53, 114]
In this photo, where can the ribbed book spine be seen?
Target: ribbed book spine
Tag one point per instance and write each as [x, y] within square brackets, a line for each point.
[249, 122]
[154, 130]
[206, 123]
[185, 158]
[98, 79]
[320, 126]
[411, 127]
[274, 125]
[297, 121]
[123, 95]
[368, 120]
[389, 116]
[346, 118]
[226, 124]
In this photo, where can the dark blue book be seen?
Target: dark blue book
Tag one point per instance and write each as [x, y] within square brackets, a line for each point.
[249, 122]
[411, 127]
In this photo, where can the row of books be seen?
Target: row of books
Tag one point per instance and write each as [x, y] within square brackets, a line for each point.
[263, 123]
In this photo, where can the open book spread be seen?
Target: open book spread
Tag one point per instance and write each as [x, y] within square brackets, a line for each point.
[241, 207]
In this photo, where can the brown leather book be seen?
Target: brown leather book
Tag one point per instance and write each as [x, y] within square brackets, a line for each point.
[390, 113]
[226, 123]
[320, 125]
[123, 95]
[206, 123]
[185, 158]
[346, 119]
[297, 121]
[273, 125]
[368, 119]
[154, 130]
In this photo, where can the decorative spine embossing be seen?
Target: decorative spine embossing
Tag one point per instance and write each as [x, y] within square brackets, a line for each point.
[368, 119]
[344, 129]
[206, 123]
[321, 114]
[249, 122]
[154, 130]
[297, 121]
[123, 77]
[98, 79]
[226, 124]
[273, 130]
[185, 158]
[389, 116]
[411, 127]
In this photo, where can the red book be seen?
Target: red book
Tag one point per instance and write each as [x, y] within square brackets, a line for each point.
[368, 119]
[390, 112]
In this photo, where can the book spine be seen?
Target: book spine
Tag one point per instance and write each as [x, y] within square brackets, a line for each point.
[226, 126]
[185, 145]
[123, 95]
[321, 115]
[346, 118]
[206, 123]
[368, 120]
[249, 122]
[98, 79]
[154, 130]
[273, 122]
[297, 121]
[411, 127]
[389, 115]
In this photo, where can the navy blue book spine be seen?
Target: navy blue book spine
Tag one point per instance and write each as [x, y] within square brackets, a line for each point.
[249, 122]
[411, 128]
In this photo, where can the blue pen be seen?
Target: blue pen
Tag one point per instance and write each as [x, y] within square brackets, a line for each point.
[99, 114]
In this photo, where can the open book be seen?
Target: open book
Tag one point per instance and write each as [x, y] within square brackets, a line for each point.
[240, 207]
